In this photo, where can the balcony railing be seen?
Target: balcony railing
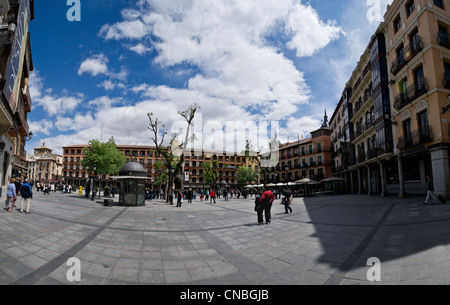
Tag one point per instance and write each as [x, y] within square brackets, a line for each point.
[443, 39]
[408, 53]
[413, 92]
[416, 137]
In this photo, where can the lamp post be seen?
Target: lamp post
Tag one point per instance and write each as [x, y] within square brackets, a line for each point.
[172, 172]
[93, 182]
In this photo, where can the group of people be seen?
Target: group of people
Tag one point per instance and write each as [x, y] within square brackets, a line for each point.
[264, 202]
[16, 188]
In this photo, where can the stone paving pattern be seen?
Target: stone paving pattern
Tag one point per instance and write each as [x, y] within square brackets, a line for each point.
[326, 240]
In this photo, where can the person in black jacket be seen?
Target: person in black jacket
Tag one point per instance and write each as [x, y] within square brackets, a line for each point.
[179, 198]
[27, 194]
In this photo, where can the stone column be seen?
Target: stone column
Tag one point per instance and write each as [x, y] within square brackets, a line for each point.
[441, 171]
[359, 181]
[352, 185]
[384, 191]
[423, 177]
[369, 181]
[402, 193]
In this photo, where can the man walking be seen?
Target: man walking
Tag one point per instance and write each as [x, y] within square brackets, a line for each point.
[266, 201]
[287, 201]
[179, 198]
[27, 193]
[430, 191]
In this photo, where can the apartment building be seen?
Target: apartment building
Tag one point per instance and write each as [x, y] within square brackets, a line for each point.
[418, 52]
[44, 166]
[308, 158]
[15, 16]
[75, 174]
[228, 164]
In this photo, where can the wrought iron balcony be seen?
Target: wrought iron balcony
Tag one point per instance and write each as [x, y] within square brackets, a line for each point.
[408, 53]
[417, 137]
[413, 92]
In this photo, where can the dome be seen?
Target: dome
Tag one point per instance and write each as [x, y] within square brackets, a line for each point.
[133, 169]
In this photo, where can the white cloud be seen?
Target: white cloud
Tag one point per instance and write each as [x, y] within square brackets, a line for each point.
[94, 65]
[310, 34]
[41, 127]
[140, 49]
[132, 30]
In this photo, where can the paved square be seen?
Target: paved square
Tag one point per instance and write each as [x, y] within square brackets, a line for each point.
[326, 240]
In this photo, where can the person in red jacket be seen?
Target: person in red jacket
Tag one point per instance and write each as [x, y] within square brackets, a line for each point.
[212, 195]
[266, 201]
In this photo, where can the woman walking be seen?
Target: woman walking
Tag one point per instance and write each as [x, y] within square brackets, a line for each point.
[11, 194]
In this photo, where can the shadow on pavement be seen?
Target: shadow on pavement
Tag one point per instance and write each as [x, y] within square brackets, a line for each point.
[353, 228]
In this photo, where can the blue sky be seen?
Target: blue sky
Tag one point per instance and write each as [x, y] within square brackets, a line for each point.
[246, 61]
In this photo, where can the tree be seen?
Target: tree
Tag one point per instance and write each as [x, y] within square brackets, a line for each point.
[180, 150]
[245, 175]
[173, 156]
[211, 173]
[162, 177]
[265, 160]
[105, 157]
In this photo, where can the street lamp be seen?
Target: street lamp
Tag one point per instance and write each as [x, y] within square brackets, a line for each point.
[29, 137]
[172, 172]
[93, 182]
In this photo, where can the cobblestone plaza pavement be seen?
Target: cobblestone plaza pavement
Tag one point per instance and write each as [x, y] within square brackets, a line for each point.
[326, 240]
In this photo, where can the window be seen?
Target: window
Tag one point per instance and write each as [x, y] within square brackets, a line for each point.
[443, 36]
[397, 24]
[407, 132]
[419, 78]
[439, 3]
[410, 7]
[319, 147]
[422, 118]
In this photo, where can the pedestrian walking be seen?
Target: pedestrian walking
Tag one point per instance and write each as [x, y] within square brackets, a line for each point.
[27, 194]
[213, 196]
[430, 192]
[225, 194]
[259, 209]
[179, 198]
[190, 195]
[287, 201]
[266, 201]
[11, 195]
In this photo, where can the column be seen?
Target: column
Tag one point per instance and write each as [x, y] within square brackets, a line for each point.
[441, 171]
[402, 193]
[369, 181]
[423, 178]
[384, 192]
[359, 182]
[352, 184]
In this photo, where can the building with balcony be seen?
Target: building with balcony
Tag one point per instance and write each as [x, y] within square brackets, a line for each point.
[308, 158]
[15, 16]
[228, 166]
[419, 61]
[362, 138]
[75, 174]
[44, 166]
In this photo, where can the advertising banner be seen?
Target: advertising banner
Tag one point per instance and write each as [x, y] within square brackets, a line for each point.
[15, 64]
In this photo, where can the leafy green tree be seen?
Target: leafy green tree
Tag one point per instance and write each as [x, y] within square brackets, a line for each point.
[245, 175]
[211, 173]
[162, 178]
[105, 157]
